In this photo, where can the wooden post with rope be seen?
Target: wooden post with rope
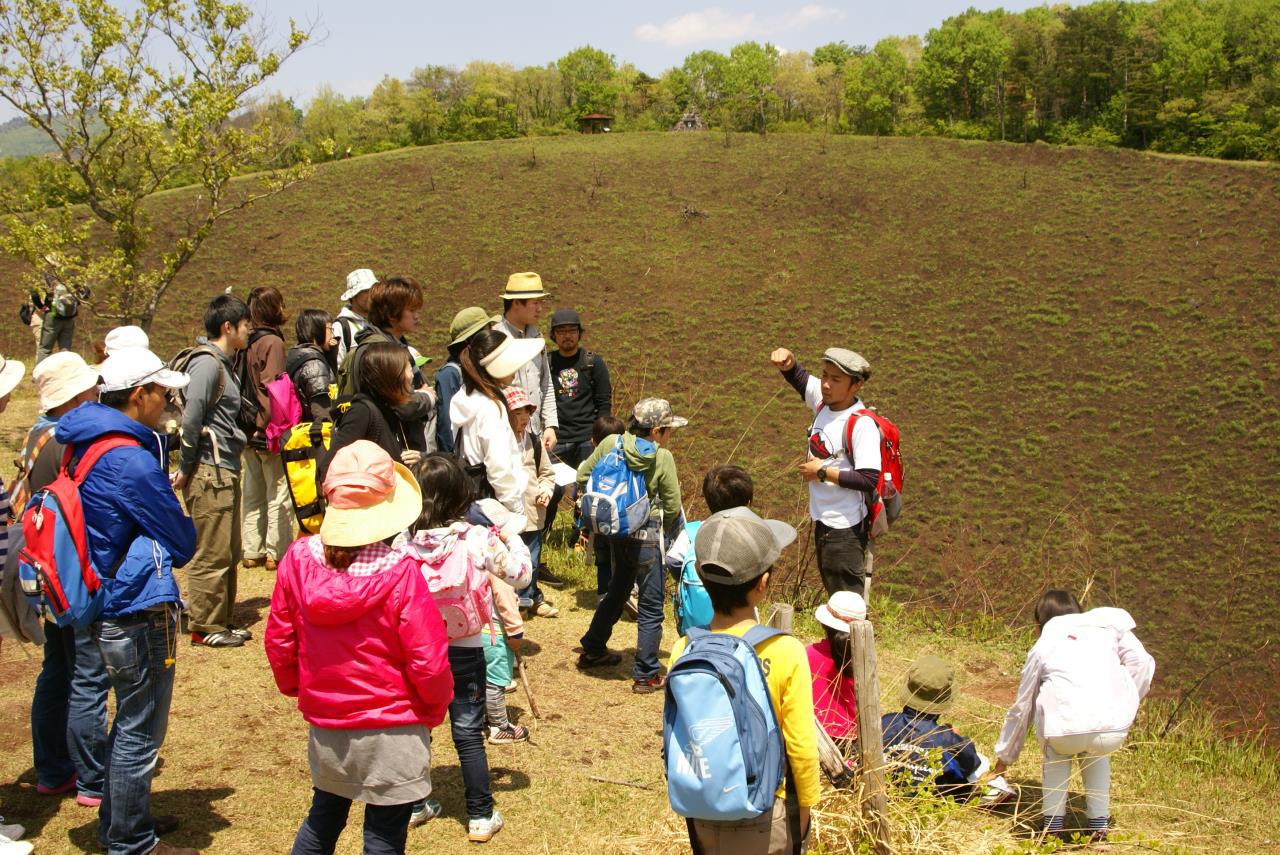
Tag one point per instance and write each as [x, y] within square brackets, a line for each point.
[866, 680]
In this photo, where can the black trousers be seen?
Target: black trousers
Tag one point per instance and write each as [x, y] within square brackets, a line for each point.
[841, 556]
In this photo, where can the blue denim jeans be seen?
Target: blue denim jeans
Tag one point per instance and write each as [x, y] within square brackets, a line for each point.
[386, 827]
[634, 561]
[134, 649]
[532, 595]
[69, 712]
[467, 727]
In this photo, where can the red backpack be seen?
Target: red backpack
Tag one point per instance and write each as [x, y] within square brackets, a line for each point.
[889, 488]
[55, 564]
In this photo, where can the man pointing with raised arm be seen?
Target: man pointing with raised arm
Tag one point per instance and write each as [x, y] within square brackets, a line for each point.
[842, 467]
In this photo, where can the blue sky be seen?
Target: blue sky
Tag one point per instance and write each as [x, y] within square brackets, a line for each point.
[361, 42]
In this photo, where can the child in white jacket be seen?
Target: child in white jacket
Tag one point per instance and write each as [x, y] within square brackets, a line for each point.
[1082, 682]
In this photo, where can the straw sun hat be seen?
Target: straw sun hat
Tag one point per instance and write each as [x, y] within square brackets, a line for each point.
[370, 496]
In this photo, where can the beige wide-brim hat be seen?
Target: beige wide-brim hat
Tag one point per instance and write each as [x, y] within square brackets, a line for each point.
[512, 355]
[524, 286]
[11, 373]
[362, 526]
[62, 377]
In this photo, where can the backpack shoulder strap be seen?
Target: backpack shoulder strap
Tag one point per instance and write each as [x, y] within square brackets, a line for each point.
[696, 632]
[759, 634]
[94, 453]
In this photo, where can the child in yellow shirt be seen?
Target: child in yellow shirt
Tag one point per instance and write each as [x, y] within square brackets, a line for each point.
[735, 551]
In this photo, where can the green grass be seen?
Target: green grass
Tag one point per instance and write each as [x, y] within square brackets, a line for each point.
[1078, 344]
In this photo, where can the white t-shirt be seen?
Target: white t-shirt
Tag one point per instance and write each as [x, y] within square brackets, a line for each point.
[829, 503]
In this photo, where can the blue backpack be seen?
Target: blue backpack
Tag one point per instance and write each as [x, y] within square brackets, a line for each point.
[722, 746]
[692, 605]
[616, 501]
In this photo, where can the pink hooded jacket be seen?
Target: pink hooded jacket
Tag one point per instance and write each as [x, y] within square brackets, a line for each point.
[358, 652]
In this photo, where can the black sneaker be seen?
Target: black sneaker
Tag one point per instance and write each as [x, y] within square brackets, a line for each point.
[604, 660]
[221, 638]
[546, 577]
[239, 632]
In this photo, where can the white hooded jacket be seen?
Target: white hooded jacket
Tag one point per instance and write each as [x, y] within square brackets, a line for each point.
[1086, 674]
[487, 438]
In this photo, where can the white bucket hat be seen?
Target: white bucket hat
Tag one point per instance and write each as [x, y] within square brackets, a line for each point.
[844, 608]
[137, 366]
[11, 374]
[61, 377]
[512, 355]
[358, 281]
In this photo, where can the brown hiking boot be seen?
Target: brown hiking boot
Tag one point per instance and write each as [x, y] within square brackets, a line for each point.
[162, 848]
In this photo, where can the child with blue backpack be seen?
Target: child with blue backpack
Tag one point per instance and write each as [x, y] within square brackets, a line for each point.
[723, 487]
[739, 739]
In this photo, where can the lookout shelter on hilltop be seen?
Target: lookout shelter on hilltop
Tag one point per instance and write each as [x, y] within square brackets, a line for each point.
[690, 121]
[594, 123]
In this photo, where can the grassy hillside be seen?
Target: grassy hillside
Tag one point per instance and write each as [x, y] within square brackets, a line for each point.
[1079, 345]
[19, 139]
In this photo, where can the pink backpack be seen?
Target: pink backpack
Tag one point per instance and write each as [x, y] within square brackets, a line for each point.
[286, 410]
[461, 591]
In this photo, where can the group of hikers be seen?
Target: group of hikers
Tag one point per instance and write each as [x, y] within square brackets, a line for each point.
[404, 520]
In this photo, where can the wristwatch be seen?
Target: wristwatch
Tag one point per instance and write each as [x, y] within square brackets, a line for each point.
[822, 474]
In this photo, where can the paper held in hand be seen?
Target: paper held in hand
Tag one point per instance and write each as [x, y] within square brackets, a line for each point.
[565, 474]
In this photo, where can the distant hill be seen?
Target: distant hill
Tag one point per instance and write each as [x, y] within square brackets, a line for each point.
[19, 139]
[1079, 345]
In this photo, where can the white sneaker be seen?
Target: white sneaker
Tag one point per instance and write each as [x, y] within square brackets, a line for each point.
[10, 833]
[478, 830]
[9, 846]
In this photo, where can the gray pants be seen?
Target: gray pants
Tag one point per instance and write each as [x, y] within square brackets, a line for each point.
[57, 330]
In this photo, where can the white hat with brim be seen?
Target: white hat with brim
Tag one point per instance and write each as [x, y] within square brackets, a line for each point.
[11, 373]
[358, 281]
[125, 337]
[62, 377]
[137, 366]
[362, 526]
[842, 609]
[512, 355]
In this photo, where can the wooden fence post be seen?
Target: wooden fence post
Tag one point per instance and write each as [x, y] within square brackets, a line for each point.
[781, 617]
[866, 682]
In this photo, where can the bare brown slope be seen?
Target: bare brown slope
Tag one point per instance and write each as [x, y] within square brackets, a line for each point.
[1080, 345]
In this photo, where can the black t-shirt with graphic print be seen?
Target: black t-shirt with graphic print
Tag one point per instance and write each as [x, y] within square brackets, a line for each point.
[583, 393]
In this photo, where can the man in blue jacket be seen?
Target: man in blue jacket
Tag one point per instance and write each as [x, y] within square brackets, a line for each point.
[137, 533]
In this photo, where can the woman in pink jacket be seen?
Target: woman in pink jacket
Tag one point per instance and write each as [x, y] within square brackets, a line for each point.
[1082, 684]
[355, 636]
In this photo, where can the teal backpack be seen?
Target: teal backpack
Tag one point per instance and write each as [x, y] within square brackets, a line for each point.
[691, 604]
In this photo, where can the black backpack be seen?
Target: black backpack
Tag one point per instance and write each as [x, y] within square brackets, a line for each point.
[250, 411]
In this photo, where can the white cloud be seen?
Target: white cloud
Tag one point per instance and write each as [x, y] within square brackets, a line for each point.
[715, 24]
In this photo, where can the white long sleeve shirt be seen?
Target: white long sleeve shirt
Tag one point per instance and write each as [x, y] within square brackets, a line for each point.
[1086, 674]
[487, 438]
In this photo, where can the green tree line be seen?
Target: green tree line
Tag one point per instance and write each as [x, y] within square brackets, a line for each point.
[1184, 76]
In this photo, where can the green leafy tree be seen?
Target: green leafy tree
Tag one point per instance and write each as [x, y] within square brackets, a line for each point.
[877, 88]
[704, 75]
[588, 77]
[750, 78]
[126, 125]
